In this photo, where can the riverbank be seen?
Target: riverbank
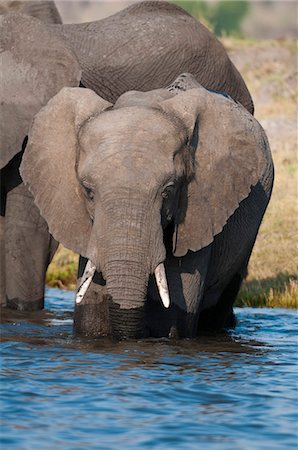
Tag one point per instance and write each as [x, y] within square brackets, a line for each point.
[270, 71]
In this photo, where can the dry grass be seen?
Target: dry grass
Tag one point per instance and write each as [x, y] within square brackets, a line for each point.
[273, 267]
[280, 291]
[270, 71]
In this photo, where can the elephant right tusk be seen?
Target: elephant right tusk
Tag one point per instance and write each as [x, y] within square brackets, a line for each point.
[86, 280]
[162, 284]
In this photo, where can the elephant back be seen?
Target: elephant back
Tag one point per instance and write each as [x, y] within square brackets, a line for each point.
[145, 47]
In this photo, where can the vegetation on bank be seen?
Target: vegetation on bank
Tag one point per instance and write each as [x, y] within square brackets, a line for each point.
[272, 276]
[269, 70]
[62, 272]
[224, 18]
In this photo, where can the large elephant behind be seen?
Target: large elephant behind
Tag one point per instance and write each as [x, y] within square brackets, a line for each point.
[34, 66]
[168, 182]
[146, 46]
[143, 47]
[43, 10]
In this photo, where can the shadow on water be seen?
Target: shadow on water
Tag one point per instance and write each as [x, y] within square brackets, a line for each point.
[53, 327]
[50, 333]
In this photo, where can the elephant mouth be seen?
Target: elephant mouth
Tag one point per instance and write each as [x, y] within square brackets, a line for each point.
[127, 276]
[105, 318]
[159, 273]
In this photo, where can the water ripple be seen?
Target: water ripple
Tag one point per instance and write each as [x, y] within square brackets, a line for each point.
[234, 391]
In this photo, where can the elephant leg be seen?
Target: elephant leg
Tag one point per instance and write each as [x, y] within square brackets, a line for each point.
[91, 316]
[29, 249]
[221, 315]
[2, 262]
[186, 277]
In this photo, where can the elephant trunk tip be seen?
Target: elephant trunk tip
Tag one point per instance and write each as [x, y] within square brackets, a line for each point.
[126, 323]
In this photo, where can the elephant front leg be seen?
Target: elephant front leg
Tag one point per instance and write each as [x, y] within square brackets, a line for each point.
[29, 249]
[91, 315]
[186, 278]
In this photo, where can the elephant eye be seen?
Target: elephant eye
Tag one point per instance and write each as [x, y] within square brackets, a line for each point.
[88, 191]
[168, 190]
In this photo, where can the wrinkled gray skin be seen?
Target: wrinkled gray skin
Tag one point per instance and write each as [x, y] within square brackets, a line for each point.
[45, 11]
[152, 180]
[26, 247]
[146, 46]
[142, 47]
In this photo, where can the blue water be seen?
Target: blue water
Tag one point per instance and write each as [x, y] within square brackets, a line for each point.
[233, 391]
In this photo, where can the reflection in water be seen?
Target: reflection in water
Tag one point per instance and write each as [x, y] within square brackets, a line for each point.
[228, 391]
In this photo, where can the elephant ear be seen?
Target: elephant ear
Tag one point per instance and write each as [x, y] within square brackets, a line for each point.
[34, 66]
[49, 165]
[230, 156]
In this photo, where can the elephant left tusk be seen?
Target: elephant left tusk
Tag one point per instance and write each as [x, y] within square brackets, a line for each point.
[86, 280]
[162, 284]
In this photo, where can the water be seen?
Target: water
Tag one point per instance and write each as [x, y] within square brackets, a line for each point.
[233, 391]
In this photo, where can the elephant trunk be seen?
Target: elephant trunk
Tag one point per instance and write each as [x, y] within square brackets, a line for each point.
[126, 286]
[132, 249]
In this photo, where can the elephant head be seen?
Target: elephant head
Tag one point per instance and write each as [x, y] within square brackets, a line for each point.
[128, 186]
[34, 67]
[45, 11]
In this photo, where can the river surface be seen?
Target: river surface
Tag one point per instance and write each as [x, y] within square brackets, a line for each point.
[232, 391]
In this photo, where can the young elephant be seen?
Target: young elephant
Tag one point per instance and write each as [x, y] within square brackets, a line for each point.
[144, 46]
[169, 182]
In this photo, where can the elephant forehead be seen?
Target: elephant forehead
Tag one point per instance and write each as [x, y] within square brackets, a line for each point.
[126, 165]
[132, 149]
[137, 166]
[128, 128]
[134, 144]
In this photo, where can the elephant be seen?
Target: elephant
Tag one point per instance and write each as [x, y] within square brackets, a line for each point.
[143, 47]
[44, 10]
[163, 192]
[146, 46]
[32, 71]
